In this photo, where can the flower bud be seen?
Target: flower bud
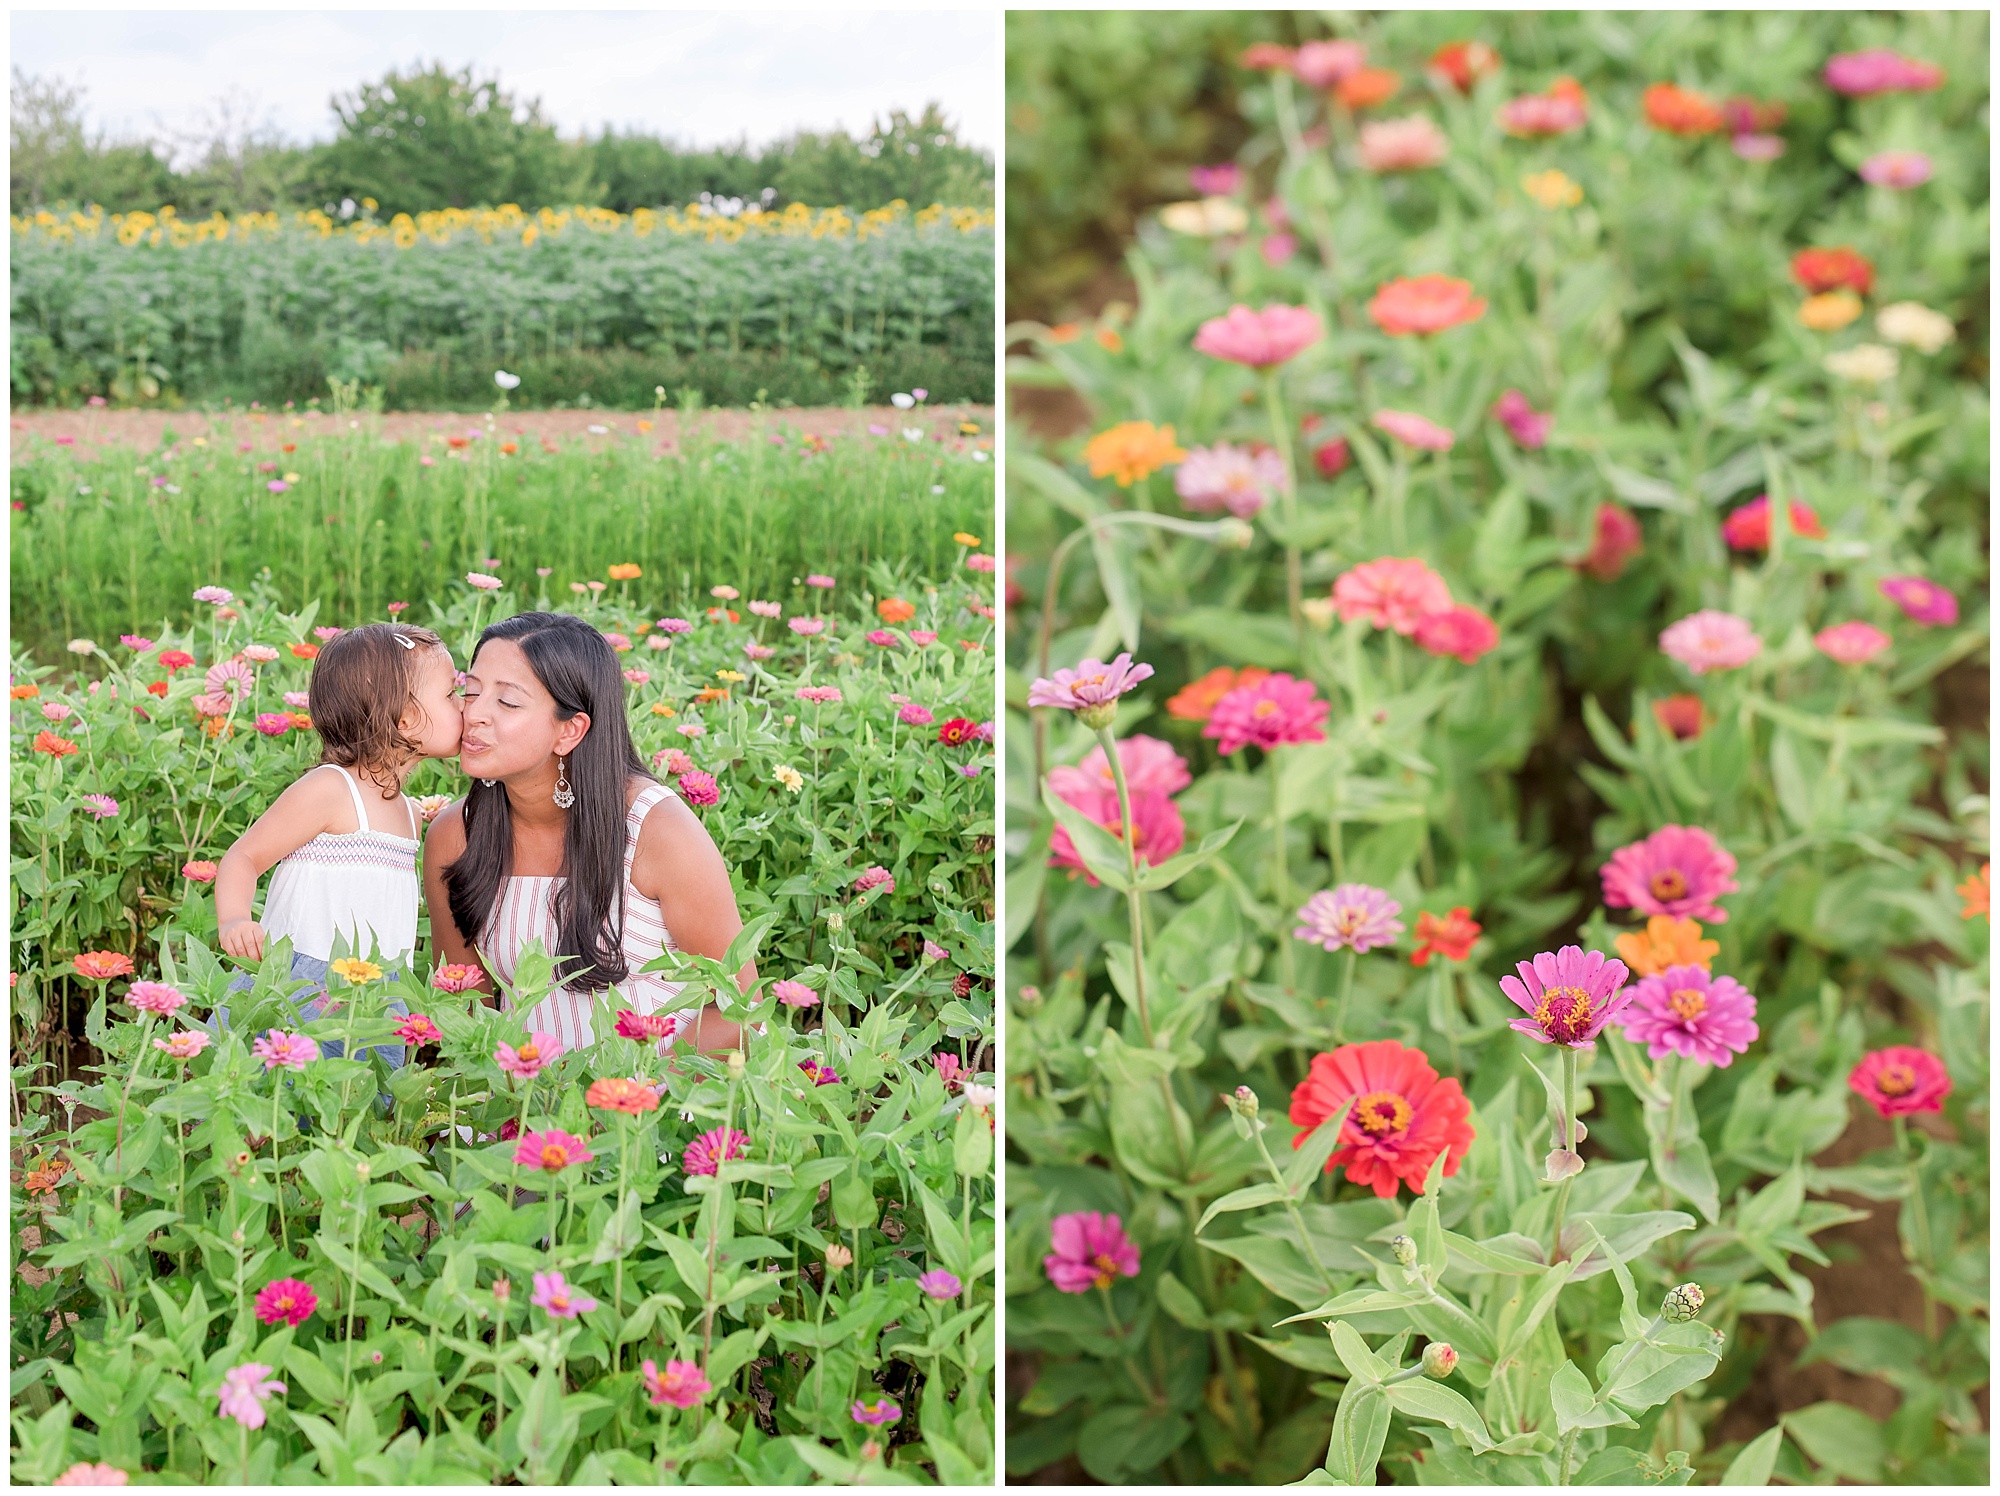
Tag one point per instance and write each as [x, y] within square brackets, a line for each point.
[1234, 534]
[1439, 1360]
[871, 1450]
[362, 1171]
[1405, 1248]
[735, 1062]
[1682, 1304]
[502, 1289]
[838, 1257]
[1098, 717]
[1031, 997]
[836, 921]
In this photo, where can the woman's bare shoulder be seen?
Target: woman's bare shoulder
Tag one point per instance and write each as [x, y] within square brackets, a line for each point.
[445, 836]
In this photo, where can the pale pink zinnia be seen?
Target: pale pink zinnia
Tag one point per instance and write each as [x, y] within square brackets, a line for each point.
[1149, 765]
[1898, 169]
[1923, 602]
[101, 806]
[1413, 430]
[1568, 995]
[1851, 643]
[1277, 709]
[875, 877]
[1687, 1012]
[554, 1294]
[793, 993]
[1678, 871]
[86, 1473]
[1391, 592]
[243, 1392]
[1402, 144]
[1321, 65]
[681, 1383]
[806, 627]
[528, 1061]
[184, 1046]
[483, 581]
[1859, 74]
[1090, 1251]
[154, 997]
[1711, 640]
[1261, 338]
[229, 677]
[289, 1051]
[1352, 915]
[1240, 479]
[1461, 631]
[1090, 687]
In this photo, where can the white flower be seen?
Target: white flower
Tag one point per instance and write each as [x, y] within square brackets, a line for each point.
[979, 457]
[82, 647]
[505, 380]
[598, 430]
[902, 401]
[913, 433]
[980, 1096]
[1207, 219]
[1865, 363]
[1915, 325]
[937, 488]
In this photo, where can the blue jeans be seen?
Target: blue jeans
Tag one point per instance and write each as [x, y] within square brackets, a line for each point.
[312, 1003]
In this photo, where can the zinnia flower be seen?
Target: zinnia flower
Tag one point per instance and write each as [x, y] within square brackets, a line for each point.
[1851, 643]
[939, 1284]
[1923, 602]
[1150, 765]
[806, 627]
[102, 966]
[286, 1301]
[1277, 709]
[1859, 74]
[1424, 305]
[553, 1151]
[1977, 891]
[818, 1074]
[1831, 269]
[541, 1050]
[358, 972]
[1915, 325]
[1529, 427]
[183, 1046]
[873, 877]
[1367, 87]
[877, 1414]
[1900, 1080]
[1680, 111]
[482, 581]
[554, 1294]
[1568, 995]
[216, 595]
[1711, 640]
[1124, 453]
[681, 1383]
[101, 806]
[244, 1390]
[55, 747]
[614, 1094]
[290, 1051]
[1665, 942]
[897, 610]
[793, 993]
[154, 997]
[1679, 871]
[1196, 700]
[1749, 528]
[1900, 170]
[1261, 338]
[1353, 915]
[1864, 363]
[455, 978]
[197, 871]
[819, 695]
[1089, 1251]
[649, 1027]
[85, 1473]
[1158, 832]
[1683, 715]
[1451, 936]
[1091, 690]
[417, 1029]
[1563, 108]
[1413, 430]
[1410, 144]
[1403, 1116]
[1462, 64]
[713, 1149]
[1391, 592]
[1552, 189]
[1687, 1012]
[957, 732]
[698, 788]
[1316, 64]
[1238, 479]
[1461, 631]
[914, 715]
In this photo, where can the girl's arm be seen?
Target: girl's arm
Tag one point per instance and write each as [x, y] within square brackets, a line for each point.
[444, 844]
[695, 900]
[314, 804]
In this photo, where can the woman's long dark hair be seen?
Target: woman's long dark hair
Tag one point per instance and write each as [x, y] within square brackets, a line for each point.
[577, 667]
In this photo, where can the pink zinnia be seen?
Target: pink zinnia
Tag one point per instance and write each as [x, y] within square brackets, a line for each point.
[924, 638]
[1092, 687]
[950, 1070]
[1321, 65]
[915, 716]
[1158, 832]
[1090, 1251]
[881, 638]
[154, 997]
[216, 595]
[1687, 1012]
[230, 677]
[1259, 339]
[1352, 915]
[1529, 427]
[1852, 643]
[1391, 592]
[273, 724]
[818, 695]
[101, 806]
[1568, 995]
[1678, 871]
[1616, 540]
[767, 610]
[417, 1029]
[1150, 765]
[806, 626]
[1753, 147]
[1553, 113]
[1923, 602]
[877, 1414]
[698, 788]
[1216, 181]
[650, 1027]
[184, 1046]
[1402, 144]
[676, 626]
[1711, 640]
[541, 1050]
[286, 1301]
[243, 1392]
[1900, 1080]
[1277, 709]
[83, 1472]
[1413, 430]
[1859, 74]
[455, 978]
[873, 877]
[939, 1284]
[553, 1151]
[819, 580]
[1899, 169]
[1461, 631]
[793, 993]
[554, 1294]
[818, 1074]
[713, 1149]
[1238, 479]
[289, 1051]
[681, 1383]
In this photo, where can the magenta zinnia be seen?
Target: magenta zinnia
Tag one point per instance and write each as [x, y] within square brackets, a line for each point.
[154, 997]
[1090, 1251]
[646, 1026]
[681, 1383]
[1568, 995]
[1149, 764]
[1158, 832]
[290, 1051]
[1923, 602]
[1679, 871]
[1687, 1012]
[1900, 1080]
[1353, 915]
[554, 1150]
[1276, 709]
[713, 1149]
[287, 1301]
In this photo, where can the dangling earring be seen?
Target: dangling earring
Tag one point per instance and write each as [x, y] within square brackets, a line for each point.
[489, 783]
[564, 796]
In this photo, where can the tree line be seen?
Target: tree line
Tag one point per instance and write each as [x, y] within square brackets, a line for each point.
[432, 137]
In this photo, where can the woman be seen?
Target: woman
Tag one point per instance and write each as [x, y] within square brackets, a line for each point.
[566, 839]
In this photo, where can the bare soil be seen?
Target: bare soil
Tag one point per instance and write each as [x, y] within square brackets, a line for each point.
[142, 429]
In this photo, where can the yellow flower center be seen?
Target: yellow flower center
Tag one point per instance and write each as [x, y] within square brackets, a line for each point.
[554, 1156]
[1896, 1080]
[528, 1054]
[1688, 1004]
[1381, 1112]
[1107, 1270]
[1264, 708]
[1564, 1014]
[1670, 883]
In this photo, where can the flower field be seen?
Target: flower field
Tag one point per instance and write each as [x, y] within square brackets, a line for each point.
[1497, 904]
[247, 1259]
[146, 307]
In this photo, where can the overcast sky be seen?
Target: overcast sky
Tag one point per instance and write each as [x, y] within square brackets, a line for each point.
[701, 77]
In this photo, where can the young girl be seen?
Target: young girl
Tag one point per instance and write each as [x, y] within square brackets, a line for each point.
[344, 837]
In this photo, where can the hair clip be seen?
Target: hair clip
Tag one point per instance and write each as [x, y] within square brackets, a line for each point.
[405, 642]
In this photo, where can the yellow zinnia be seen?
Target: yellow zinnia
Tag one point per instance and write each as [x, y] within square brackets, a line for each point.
[1131, 450]
[1830, 310]
[1552, 189]
[349, 969]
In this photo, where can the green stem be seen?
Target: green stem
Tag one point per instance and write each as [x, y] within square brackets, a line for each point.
[353, 1295]
[1920, 1219]
[138, 1059]
[1281, 436]
[1348, 960]
[1134, 905]
[277, 1176]
[1563, 1459]
[1569, 1145]
[1292, 1208]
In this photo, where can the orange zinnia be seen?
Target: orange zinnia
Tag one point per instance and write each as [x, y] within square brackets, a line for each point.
[625, 571]
[629, 1096]
[102, 966]
[712, 693]
[1065, 332]
[1463, 64]
[1451, 937]
[895, 610]
[1425, 304]
[23, 693]
[1131, 450]
[1194, 701]
[1367, 87]
[1830, 269]
[1666, 942]
[306, 651]
[1681, 112]
[1109, 341]
[1977, 891]
[55, 747]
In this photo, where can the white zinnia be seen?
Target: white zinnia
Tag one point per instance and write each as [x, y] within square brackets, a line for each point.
[1915, 325]
[1865, 363]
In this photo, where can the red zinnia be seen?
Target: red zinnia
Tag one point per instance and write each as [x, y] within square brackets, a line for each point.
[1462, 64]
[306, 651]
[175, 659]
[1617, 540]
[1451, 937]
[1403, 1115]
[1830, 269]
[958, 731]
[1679, 111]
[1900, 1080]
[1749, 527]
[1683, 716]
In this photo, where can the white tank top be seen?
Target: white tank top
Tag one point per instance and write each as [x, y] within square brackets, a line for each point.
[361, 884]
[523, 912]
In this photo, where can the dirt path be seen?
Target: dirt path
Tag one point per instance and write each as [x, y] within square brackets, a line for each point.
[143, 428]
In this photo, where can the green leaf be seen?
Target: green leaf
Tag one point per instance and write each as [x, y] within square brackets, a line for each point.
[1423, 1398]
[1755, 1461]
[1308, 1160]
[1841, 1438]
[1570, 1395]
[1102, 853]
[1179, 1301]
[1170, 872]
[1362, 1364]
[1248, 1198]
[1360, 1428]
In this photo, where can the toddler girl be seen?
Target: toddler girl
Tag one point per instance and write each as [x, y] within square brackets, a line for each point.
[344, 837]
